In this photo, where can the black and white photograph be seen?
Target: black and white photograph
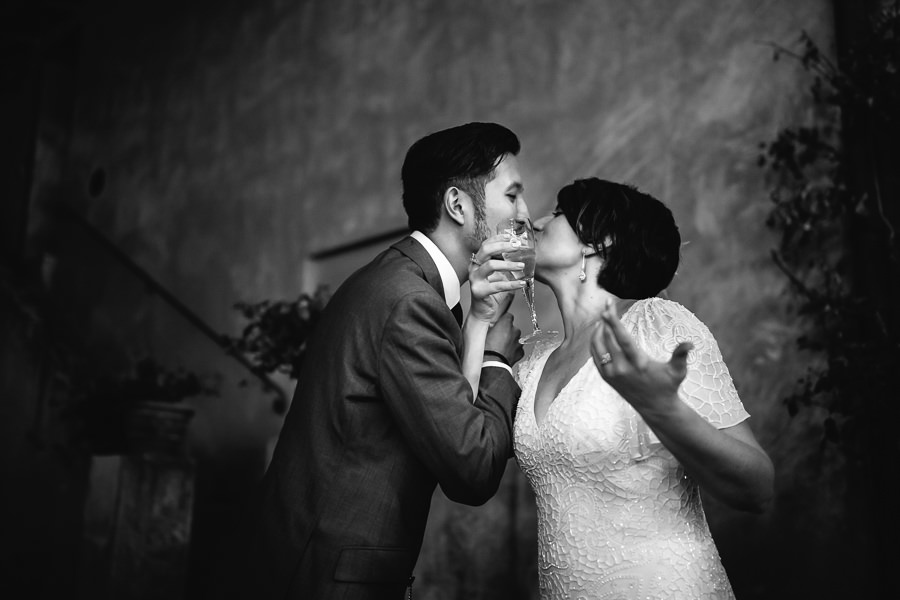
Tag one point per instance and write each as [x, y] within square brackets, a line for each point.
[449, 299]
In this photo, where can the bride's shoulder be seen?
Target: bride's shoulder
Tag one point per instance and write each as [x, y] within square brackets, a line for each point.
[542, 347]
[540, 350]
[660, 313]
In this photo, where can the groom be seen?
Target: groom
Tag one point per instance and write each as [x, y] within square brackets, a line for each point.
[382, 412]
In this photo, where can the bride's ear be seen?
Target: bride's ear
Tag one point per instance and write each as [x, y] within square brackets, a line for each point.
[456, 204]
[589, 251]
[601, 249]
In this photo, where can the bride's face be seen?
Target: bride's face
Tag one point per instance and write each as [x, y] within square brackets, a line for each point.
[557, 248]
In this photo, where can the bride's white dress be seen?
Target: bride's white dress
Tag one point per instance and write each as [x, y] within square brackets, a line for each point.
[617, 515]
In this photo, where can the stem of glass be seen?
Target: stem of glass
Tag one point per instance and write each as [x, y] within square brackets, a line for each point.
[529, 299]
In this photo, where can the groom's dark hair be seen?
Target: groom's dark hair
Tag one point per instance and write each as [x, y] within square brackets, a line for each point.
[634, 233]
[464, 156]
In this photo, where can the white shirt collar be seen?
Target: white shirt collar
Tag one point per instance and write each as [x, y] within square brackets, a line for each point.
[445, 269]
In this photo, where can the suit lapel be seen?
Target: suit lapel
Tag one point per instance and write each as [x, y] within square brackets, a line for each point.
[417, 253]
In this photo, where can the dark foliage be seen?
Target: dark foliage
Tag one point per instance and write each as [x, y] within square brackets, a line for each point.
[834, 185]
[275, 336]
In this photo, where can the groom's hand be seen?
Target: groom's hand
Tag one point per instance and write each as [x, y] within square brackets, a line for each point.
[504, 299]
[503, 338]
[490, 280]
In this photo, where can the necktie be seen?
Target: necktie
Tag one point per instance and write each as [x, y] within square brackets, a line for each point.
[457, 312]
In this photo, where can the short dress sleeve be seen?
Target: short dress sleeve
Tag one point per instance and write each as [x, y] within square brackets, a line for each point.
[658, 326]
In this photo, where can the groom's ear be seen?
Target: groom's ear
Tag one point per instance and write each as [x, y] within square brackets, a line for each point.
[456, 204]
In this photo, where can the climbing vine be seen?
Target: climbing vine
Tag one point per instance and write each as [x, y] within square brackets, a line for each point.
[834, 188]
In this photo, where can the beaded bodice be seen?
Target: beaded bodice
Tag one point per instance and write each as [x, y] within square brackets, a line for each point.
[617, 515]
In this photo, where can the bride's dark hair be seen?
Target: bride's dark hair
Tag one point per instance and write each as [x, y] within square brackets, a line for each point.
[633, 232]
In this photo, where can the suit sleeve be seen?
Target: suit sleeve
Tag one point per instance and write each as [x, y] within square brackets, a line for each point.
[465, 444]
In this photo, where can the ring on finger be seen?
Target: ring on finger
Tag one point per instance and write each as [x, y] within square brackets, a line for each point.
[474, 260]
[605, 358]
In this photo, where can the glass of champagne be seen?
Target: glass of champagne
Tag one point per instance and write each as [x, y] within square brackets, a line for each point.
[522, 233]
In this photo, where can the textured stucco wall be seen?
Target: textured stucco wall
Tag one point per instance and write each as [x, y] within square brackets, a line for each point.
[239, 137]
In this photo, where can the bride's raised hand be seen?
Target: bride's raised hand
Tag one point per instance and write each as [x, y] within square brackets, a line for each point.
[645, 383]
[488, 280]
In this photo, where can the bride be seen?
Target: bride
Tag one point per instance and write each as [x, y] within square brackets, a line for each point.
[623, 422]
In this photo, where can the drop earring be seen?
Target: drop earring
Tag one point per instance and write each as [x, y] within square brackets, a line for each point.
[582, 276]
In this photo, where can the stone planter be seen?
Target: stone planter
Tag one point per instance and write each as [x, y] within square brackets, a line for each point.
[156, 428]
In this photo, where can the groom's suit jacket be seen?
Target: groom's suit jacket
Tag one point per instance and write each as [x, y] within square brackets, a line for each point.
[380, 416]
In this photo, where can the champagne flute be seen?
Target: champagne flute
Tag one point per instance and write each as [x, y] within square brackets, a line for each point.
[521, 232]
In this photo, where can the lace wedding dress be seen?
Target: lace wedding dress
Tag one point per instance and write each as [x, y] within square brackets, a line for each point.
[617, 515]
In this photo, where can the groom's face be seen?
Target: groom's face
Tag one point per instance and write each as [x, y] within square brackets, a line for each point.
[504, 198]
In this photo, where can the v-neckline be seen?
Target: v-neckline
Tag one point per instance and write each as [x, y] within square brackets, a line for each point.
[537, 384]
[546, 357]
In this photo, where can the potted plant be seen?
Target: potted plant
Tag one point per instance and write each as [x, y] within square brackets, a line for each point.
[140, 411]
[275, 335]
